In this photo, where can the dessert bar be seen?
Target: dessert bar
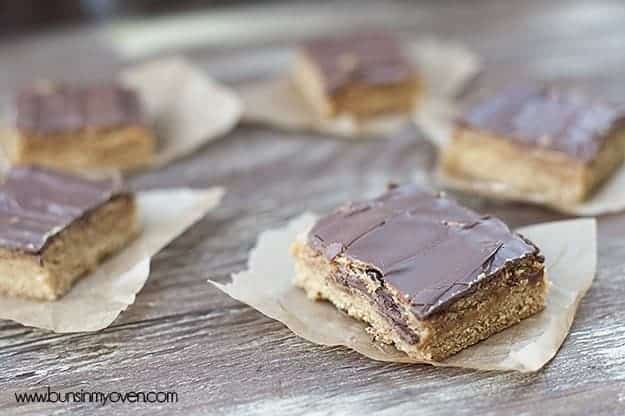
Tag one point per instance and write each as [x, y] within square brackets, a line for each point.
[427, 275]
[538, 141]
[54, 228]
[76, 128]
[363, 75]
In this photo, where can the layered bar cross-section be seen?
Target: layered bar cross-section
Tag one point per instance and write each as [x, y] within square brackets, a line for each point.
[538, 141]
[362, 74]
[79, 127]
[427, 275]
[54, 228]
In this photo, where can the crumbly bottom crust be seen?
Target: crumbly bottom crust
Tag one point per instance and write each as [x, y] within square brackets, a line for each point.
[123, 148]
[71, 254]
[478, 155]
[495, 305]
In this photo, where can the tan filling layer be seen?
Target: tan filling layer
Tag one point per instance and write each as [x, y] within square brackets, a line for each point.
[124, 148]
[357, 99]
[496, 304]
[477, 155]
[71, 254]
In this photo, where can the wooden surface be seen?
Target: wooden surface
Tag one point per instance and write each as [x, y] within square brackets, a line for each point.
[223, 357]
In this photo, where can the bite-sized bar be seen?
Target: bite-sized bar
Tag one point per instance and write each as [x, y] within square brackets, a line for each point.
[54, 228]
[427, 275]
[539, 141]
[76, 128]
[363, 75]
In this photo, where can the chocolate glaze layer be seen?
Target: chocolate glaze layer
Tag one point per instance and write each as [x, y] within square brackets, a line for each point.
[64, 108]
[544, 117]
[429, 248]
[36, 204]
[366, 58]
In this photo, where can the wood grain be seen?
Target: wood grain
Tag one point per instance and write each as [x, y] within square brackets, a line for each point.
[222, 357]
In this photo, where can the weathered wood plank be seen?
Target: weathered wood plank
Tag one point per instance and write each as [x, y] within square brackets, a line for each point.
[223, 357]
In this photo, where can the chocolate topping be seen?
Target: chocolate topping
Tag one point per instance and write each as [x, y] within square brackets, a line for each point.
[428, 247]
[61, 109]
[543, 117]
[368, 58]
[36, 204]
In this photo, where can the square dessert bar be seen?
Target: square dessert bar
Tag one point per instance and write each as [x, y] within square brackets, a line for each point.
[427, 275]
[539, 141]
[54, 228]
[361, 74]
[75, 128]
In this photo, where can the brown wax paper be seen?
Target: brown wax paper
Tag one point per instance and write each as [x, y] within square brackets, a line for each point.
[97, 299]
[184, 106]
[570, 251]
[446, 68]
